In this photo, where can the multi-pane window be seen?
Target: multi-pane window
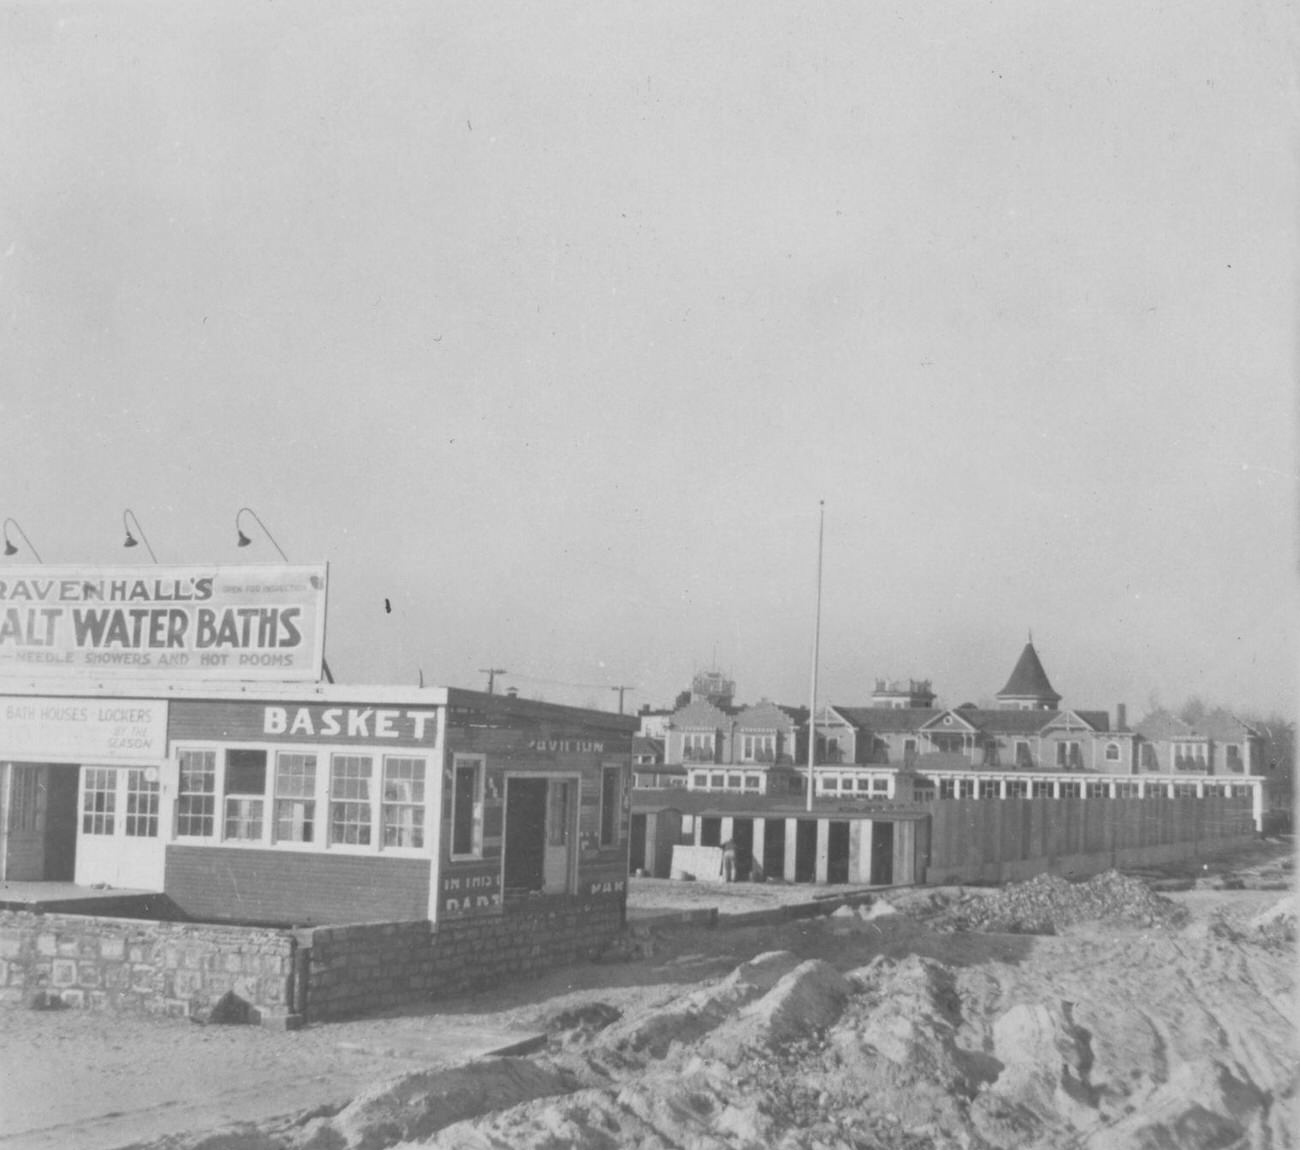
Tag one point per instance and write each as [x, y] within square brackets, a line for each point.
[196, 795]
[245, 794]
[350, 778]
[467, 807]
[1016, 788]
[611, 804]
[698, 747]
[141, 805]
[758, 748]
[1149, 760]
[295, 797]
[733, 781]
[990, 789]
[1098, 790]
[98, 801]
[752, 783]
[1126, 790]
[1112, 752]
[1024, 757]
[1069, 755]
[403, 807]
[717, 782]
[945, 788]
[1234, 757]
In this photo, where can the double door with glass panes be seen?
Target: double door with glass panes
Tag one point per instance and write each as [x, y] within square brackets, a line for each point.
[118, 839]
[306, 798]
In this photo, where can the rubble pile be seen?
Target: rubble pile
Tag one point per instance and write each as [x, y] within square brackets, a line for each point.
[1277, 925]
[1047, 902]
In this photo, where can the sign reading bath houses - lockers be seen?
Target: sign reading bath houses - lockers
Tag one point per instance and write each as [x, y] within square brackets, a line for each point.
[176, 623]
[52, 730]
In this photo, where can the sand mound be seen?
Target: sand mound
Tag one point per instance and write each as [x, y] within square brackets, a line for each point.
[417, 1105]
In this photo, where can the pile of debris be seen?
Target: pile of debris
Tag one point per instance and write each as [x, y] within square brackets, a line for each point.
[1047, 902]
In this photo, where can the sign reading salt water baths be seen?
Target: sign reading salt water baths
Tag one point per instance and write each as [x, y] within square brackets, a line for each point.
[175, 623]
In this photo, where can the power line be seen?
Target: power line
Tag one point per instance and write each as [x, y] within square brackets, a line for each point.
[492, 673]
[566, 683]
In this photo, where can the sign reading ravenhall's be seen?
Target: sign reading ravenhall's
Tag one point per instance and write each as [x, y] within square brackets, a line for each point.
[255, 622]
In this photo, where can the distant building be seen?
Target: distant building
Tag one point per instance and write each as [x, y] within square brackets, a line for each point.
[1218, 743]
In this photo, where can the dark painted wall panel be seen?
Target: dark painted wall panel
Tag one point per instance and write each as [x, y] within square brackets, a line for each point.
[302, 888]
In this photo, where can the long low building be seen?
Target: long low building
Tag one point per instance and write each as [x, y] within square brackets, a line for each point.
[167, 731]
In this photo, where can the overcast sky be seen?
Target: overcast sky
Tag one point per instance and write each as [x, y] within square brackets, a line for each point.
[550, 324]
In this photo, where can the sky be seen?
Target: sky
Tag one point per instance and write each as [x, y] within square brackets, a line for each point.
[550, 326]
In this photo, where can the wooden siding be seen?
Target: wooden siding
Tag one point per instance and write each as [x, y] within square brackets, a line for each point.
[304, 888]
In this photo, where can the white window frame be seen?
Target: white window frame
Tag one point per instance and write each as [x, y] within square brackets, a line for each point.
[322, 828]
[615, 836]
[479, 764]
[758, 747]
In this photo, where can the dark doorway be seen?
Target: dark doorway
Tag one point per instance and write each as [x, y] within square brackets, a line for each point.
[61, 823]
[742, 834]
[636, 852]
[805, 850]
[710, 832]
[774, 848]
[837, 844]
[525, 835]
[882, 854]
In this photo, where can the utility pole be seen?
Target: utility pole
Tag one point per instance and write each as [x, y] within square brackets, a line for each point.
[817, 642]
[620, 691]
[492, 673]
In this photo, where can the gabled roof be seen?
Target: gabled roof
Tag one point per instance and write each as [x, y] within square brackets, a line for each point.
[1073, 720]
[766, 716]
[699, 714]
[1221, 726]
[1029, 680]
[888, 720]
[961, 720]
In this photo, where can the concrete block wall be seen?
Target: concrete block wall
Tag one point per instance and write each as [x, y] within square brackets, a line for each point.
[358, 969]
[364, 967]
[135, 966]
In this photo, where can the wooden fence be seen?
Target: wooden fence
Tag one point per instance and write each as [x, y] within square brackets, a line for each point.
[998, 840]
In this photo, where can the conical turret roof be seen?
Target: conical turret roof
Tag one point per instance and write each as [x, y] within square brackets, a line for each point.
[1029, 681]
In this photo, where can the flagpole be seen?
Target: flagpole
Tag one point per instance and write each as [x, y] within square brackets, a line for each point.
[817, 642]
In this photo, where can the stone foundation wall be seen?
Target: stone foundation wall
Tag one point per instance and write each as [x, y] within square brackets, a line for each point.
[352, 970]
[135, 966]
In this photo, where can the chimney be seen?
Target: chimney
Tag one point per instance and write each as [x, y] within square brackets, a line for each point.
[1121, 717]
[512, 692]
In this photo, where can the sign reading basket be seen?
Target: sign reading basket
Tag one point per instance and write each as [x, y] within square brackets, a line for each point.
[175, 623]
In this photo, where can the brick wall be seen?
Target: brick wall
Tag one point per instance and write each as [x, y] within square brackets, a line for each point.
[134, 966]
[359, 968]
